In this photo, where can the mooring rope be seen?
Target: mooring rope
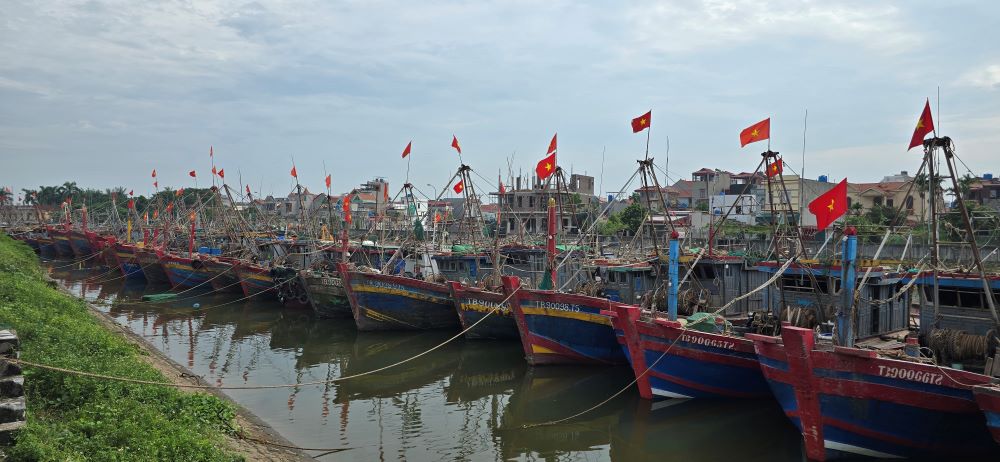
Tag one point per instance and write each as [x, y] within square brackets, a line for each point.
[264, 387]
[683, 327]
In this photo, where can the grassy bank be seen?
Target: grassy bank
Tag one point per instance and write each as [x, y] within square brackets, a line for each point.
[76, 418]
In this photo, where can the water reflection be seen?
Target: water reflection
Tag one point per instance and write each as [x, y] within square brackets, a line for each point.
[468, 400]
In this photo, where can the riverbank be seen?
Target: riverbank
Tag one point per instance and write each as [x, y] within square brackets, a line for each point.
[78, 418]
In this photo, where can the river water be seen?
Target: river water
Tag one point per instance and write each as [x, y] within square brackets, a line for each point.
[468, 401]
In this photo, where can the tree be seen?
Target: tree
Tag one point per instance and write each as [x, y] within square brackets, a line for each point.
[633, 216]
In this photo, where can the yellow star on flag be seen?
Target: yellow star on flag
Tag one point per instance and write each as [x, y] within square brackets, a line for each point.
[754, 133]
[548, 166]
[831, 205]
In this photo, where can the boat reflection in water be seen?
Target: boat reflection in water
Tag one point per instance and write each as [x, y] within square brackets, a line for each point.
[705, 430]
[467, 400]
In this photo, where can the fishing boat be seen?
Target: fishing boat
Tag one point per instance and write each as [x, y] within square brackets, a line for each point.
[326, 294]
[184, 271]
[473, 304]
[149, 262]
[256, 280]
[887, 399]
[393, 302]
[128, 261]
[222, 273]
[60, 239]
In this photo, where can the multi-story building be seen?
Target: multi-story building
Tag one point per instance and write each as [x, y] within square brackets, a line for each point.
[524, 207]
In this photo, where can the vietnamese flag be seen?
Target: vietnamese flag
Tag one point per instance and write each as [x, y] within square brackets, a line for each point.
[454, 144]
[154, 173]
[776, 168]
[131, 204]
[437, 217]
[642, 122]
[830, 205]
[459, 187]
[192, 174]
[294, 173]
[406, 150]
[328, 182]
[170, 207]
[547, 166]
[925, 125]
[179, 192]
[222, 173]
[156, 184]
[756, 132]
[156, 214]
[211, 151]
[131, 192]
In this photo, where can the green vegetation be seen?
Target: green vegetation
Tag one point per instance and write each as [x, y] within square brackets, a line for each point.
[74, 418]
[630, 218]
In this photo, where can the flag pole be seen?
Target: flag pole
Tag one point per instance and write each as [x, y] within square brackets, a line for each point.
[649, 128]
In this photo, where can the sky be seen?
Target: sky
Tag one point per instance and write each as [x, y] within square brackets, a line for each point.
[103, 92]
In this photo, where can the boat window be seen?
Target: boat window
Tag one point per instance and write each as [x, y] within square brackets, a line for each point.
[707, 272]
[971, 299]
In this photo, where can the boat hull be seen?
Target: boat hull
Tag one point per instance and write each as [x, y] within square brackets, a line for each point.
[561, 328]
[79, 242]
[61, 240]
[128, 263]
[474, 304]
[848, 402]
[184, 272]
[670, 361]
[988, 398]
[149, 264]
[222, 275]
[256, 281]
[326, 294]
[387, 302]
[46, 247]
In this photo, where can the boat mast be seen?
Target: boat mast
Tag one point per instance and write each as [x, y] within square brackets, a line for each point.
[949, 154]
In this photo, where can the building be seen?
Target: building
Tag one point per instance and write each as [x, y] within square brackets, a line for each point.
[525, 206]
[985, 191]
[894, 191]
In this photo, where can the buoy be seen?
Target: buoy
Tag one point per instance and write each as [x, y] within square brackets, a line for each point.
[197, 305]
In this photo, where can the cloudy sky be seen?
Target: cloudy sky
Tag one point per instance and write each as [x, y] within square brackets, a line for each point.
[102, 92]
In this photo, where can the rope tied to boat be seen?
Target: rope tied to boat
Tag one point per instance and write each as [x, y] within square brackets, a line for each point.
[266, 387]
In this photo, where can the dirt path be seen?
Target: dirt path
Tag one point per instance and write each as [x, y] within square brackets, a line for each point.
[253, 427]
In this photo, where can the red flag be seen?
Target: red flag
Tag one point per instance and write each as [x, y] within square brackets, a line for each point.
[156, 184]
[154, 173]
[214, 172]
[776, 168]
[503, 190]
[192, 174]
[830, 205]
[347, 208]
[756, 132]
[642, 122]
[925, 125]
[552, 145]
[145, 216]
[179, 192]
[437, 217]
[328, 182]
[546, 167]
[211, 152]
[385, 192]
[454, 144]
[459, 187]
[222, 173]
[131, 203]
[248, 189]
[131, 192]
[294, 173]
[406, 151]
[156, 214]
[170, 207]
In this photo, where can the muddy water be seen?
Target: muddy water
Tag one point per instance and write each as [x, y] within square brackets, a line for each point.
[467, 401]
